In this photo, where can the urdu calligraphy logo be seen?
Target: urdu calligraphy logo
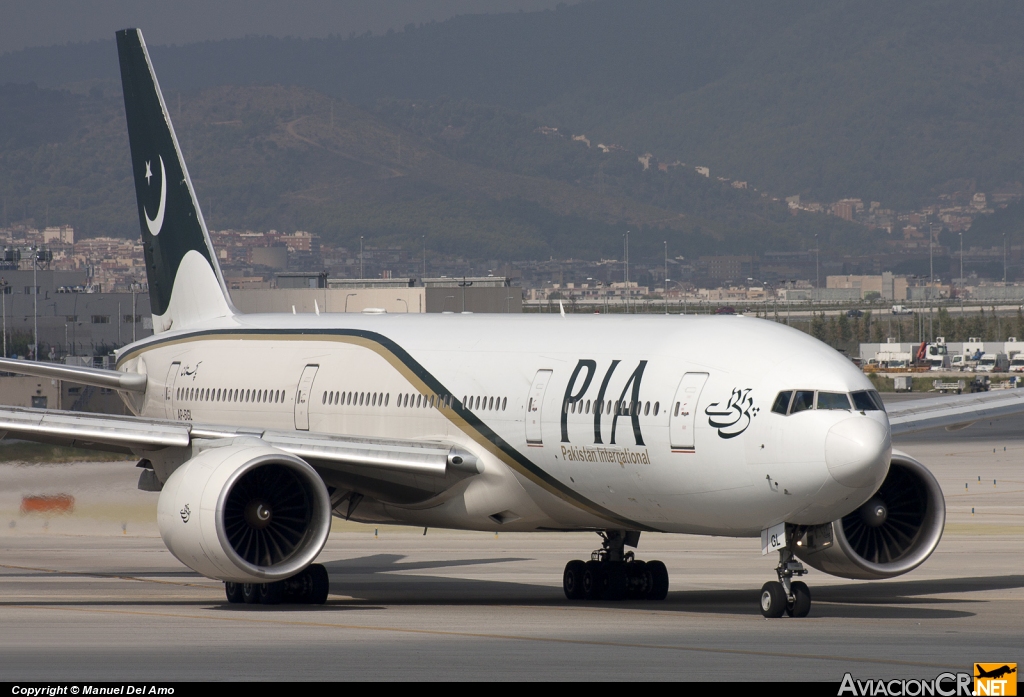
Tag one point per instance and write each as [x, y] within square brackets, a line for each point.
[185, 513]
[734, 418]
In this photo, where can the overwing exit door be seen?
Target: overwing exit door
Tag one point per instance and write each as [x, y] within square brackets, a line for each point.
[172, 375]
[534, 406]
[683, 416]
[302, 393]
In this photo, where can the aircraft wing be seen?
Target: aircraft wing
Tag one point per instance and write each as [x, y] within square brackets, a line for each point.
[953, 411]
[96, 377]
[129, 434]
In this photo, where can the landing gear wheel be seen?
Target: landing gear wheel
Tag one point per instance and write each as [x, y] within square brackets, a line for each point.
[233, 591]
[659, 580]
[615, 580]
[572, 579]
[320, 584]
[272, 593]
[592, 580]
[640, 582]
[801, 604]
[773, 599]
[250, 593]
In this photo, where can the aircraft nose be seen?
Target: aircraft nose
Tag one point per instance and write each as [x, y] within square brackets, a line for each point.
[857, 452]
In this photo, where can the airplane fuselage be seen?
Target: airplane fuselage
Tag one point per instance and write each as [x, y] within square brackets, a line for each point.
[582, 422]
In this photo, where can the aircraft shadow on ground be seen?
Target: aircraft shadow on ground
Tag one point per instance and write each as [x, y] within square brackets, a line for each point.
[385, 579]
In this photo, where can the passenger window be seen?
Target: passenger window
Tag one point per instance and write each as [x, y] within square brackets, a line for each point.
[781, 405]
[833, 400]
[657, 405]
[324, 400]
[802, 401]
[504, 402]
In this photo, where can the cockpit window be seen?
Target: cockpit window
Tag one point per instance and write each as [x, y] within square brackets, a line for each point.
[802, 401]
[867, 401]
[833, 400]
[877, 399]
[781, 405]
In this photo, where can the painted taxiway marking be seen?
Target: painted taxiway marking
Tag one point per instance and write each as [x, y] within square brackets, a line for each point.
[682, 648]
[113, 577]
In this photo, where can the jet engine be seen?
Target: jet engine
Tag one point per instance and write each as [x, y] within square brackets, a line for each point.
[244, 512]
[890, 534]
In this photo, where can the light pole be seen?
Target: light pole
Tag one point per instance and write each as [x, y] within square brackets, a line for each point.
[961, 274]
[402, 300]
[361, 257]
[666, 277]
[3, 290]
[462, 284]
[423, 239]
[35, 306]
[817, 274]
[350, 295]
[625, 268]
[1004, 257]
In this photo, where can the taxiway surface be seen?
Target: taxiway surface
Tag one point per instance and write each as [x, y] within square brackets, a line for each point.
[93, 595]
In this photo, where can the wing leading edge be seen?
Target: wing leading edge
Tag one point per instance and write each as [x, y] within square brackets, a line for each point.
[133, 434]
[953, 411]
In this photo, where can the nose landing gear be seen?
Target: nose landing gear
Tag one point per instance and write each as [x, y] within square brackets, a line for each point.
[614, 574]
[786, 596]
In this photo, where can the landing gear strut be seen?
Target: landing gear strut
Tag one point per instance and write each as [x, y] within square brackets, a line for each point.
[309, 586]
[614, 574]
[786, 596]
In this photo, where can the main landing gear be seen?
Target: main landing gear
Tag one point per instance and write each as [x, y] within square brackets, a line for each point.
[309, 587]
[786, 596]
[613, 574]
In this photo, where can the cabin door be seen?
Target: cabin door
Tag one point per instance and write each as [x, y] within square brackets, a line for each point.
[683, 415]
[534, 406]
[302, 394]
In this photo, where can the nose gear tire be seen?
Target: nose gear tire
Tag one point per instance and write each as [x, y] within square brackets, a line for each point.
[773, 599]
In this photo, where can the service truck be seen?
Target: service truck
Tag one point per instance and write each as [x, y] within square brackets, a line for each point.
[993, 363]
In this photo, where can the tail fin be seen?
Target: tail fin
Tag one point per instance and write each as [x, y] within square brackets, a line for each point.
[185, 282]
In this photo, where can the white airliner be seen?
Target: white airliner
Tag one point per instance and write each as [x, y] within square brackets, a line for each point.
[256, 429]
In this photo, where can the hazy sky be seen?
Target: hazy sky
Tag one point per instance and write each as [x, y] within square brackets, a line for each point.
[26, 23]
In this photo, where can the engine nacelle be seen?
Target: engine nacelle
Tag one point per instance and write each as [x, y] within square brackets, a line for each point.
[244, 512]
[893, 532]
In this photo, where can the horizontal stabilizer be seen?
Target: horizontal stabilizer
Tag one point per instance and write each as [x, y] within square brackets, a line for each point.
[96, 377]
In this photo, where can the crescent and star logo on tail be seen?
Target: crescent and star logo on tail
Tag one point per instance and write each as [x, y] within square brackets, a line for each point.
[157, 223]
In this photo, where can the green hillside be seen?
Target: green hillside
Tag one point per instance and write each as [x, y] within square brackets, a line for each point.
[482, 182]
[878, 100]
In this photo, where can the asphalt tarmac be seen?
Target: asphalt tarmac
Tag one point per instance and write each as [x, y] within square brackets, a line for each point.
[93, 595]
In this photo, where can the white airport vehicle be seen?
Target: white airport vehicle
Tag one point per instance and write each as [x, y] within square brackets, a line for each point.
[894, 359]
[256, 429]
[901, 310]
[993, 363]
[937, 355]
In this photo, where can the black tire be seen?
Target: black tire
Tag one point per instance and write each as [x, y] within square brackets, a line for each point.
[250, 593]
[272, 593]
[615, 581]
[773, 599]
[233, 591]
[320, 585]
[640, 581]
[801, 604]
[572, 579]
[659, 580]
[593, 580]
